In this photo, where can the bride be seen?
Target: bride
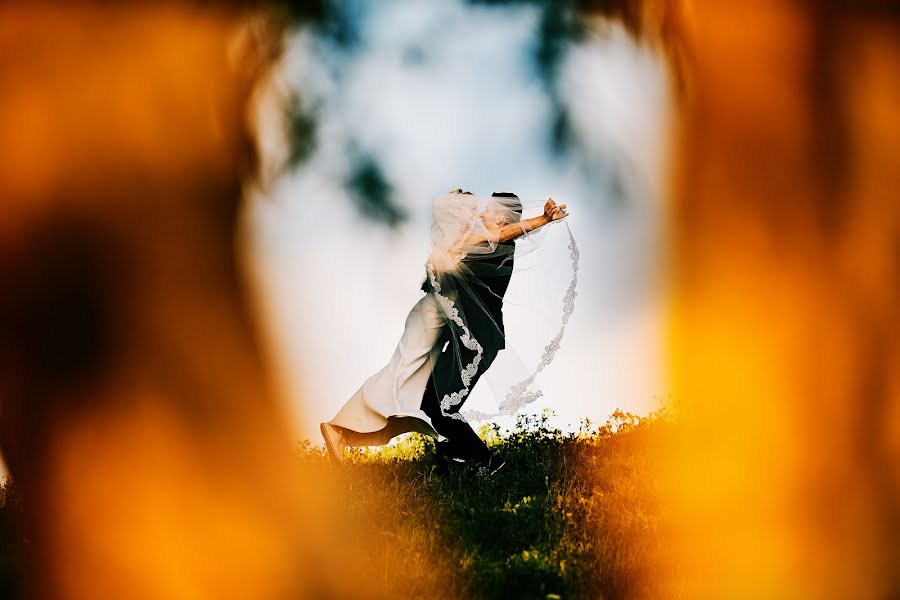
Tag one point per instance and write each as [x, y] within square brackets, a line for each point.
[451, 335]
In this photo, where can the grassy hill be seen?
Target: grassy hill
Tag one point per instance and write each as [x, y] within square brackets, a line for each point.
[571, 516]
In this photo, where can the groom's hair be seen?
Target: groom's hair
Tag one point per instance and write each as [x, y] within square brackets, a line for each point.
[516, 206]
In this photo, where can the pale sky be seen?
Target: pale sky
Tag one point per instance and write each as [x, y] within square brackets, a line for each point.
[467, 112]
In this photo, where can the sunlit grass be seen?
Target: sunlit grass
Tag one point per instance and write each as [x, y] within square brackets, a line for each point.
[573, 514]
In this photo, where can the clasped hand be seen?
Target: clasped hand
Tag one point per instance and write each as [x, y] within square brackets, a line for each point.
[554, 212]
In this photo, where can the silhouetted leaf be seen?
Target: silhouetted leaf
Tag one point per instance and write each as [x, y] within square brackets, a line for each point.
[302, 136]
[373, 193]
[561, 134]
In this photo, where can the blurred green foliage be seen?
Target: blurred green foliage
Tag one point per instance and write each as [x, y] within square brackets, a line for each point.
[303, 132]
[372, 192]
[338, 25]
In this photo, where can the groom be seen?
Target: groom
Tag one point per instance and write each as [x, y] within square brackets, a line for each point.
[485, 309]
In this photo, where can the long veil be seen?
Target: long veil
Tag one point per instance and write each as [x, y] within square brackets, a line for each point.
[470, 267]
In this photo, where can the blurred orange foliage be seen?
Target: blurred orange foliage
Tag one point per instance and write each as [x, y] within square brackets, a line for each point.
[784, 343]
[132, 380]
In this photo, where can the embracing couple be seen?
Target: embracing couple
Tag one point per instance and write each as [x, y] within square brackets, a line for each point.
[451, 336]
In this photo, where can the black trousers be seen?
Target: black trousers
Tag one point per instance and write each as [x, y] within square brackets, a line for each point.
[463, 441]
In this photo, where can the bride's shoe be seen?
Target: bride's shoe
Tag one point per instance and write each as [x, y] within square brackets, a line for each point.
[334, 442]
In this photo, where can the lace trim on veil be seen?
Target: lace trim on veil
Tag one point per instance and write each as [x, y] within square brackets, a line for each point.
[518, 395]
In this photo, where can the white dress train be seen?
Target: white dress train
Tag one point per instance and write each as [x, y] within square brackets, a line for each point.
[390, 401]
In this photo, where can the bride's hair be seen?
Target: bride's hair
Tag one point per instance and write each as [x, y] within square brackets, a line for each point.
[514, 205]
[459, 191]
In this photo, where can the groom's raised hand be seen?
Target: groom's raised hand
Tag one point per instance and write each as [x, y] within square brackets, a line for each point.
[554, 212]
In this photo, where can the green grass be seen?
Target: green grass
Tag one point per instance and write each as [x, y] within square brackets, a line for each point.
[572, 515]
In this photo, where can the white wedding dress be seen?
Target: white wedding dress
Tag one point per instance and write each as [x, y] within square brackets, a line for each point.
[389, 402]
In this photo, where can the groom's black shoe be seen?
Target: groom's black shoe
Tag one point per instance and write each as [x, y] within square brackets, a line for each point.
[493, 465]
[444, 461]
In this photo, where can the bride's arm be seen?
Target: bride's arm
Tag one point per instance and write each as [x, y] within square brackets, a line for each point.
[511, 231]
[552, 212]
